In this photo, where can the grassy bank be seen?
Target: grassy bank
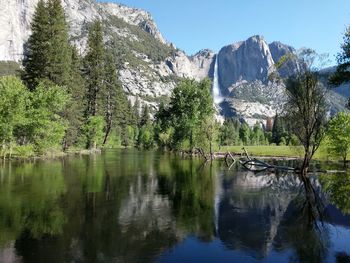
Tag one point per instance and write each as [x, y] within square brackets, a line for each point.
[277, 151]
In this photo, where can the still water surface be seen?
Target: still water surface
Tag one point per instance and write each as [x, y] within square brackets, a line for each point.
[131, 206]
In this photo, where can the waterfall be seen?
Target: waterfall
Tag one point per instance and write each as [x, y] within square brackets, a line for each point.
[216, 86]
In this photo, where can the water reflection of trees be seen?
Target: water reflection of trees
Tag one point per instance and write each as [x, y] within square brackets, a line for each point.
[190, 186]
[29, 200]
[338, 188]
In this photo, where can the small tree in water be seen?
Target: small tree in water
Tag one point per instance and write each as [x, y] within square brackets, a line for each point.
[306, 107]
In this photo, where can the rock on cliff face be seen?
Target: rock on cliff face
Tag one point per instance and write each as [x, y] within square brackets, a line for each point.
[249, 60]
[292, 66]
[198, 66]
[16, 15]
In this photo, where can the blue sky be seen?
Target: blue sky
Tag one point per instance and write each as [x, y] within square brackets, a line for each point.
[196, 24]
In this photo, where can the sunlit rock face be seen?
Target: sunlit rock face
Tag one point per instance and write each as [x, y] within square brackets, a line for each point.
[153, 66]
[245, 61]
[16, 15]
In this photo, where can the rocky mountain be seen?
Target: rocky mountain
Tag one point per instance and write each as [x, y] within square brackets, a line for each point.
[151, 66]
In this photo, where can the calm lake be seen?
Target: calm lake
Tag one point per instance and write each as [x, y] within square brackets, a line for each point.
[132, 206]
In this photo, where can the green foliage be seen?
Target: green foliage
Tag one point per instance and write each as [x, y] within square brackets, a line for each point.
[338, 135]
[190, 104]
[14, 100]
[128, 135]
[278, 131]
[338, 186]
[342, 74]
[93, 131]
[244, 134]
[31, 117]
[306, 111]
[45, 126]
[146, 43]
[229, 132]
[146, 137]
[73, 112]
[94, 69]
[48, 50]
[257, 136]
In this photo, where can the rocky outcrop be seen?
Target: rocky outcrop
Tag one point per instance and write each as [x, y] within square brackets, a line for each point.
[249, 60]
[16, 15]
[198, 66]
[292, 66]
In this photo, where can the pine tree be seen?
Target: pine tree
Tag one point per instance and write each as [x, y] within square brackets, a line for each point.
[74, 109]
[94, 68]
[145, 116]
[37, 48]
[342, 74]
[136, 112]
[277, 130]
[59, 59]
[48, 50]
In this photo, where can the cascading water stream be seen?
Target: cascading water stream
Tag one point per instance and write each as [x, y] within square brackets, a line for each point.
[216, 86]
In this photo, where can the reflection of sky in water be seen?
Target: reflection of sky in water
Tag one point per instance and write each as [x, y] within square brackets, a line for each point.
[340, 238]
[214, 251]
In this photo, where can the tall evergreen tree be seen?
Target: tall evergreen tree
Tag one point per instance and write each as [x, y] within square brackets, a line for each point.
[145, 116]
[94, 68]
[37, 48]
[59, 59]
[73, 111]
[136, 112]
[277, 130]
[342, 74]
[48, 50]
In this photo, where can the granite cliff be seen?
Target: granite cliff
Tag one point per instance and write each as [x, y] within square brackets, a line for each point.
[151, 66]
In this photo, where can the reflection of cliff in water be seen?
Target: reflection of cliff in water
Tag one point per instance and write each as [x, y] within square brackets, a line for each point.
[252, 208]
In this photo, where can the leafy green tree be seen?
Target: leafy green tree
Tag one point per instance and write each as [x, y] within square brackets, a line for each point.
[45, 127]
[128, 135]
[307, 112]
[146, 137]
[229, 132]
[94, 69]
[14, 100]
[338, 134]
[93, 130]
[190, 103]
[257, 135]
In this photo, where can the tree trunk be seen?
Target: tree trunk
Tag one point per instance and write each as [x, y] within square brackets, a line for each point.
[108, 130]
[344, 161]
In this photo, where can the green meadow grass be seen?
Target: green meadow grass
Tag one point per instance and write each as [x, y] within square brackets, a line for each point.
[277, 151]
